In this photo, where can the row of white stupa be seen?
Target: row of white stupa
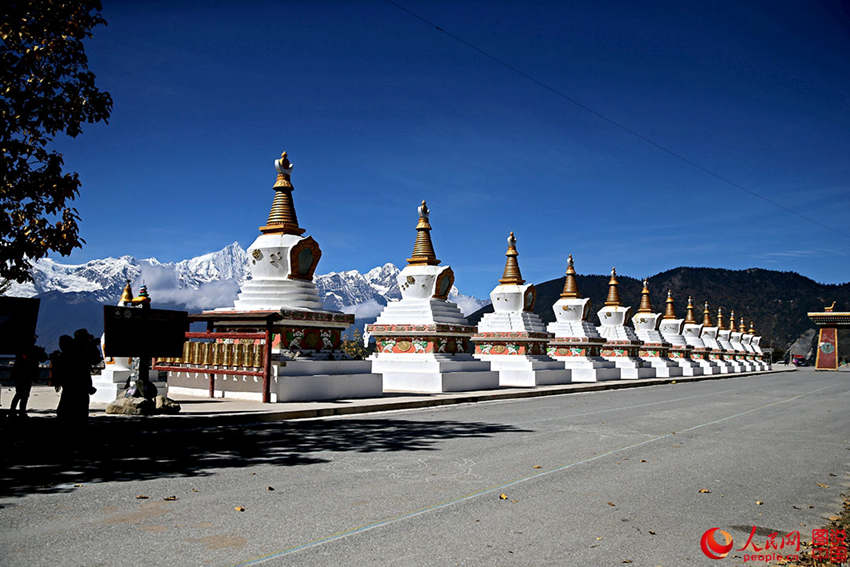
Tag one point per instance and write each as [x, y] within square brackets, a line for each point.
[424, 344]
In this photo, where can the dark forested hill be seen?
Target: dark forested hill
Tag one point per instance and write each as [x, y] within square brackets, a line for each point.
[776, 301]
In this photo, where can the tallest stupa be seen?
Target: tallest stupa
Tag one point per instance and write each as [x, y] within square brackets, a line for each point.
[282, 260]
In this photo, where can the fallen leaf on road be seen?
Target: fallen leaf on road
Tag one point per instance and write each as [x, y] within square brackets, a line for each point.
[611, 504]
[673, 382]
[270, 488]
[796, 507]
[832, 474]
[514, 501]
[239, 508]
[651, 532]
[822, 485]
[627, 560]
[537, 467]
[141, 497]
[78, 486]
[170, 498]
[759, 502]
[833, 518]
[599, 538]
[704, 491]
[195, 490]
[643, 460]
[503, 496]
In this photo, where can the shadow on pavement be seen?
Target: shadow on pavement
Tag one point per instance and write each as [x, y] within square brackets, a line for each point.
[40, 455]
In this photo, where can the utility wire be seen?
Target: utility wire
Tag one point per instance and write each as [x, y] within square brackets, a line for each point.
[609, 120]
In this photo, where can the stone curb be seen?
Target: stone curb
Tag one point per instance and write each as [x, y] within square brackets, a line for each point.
[207, 420]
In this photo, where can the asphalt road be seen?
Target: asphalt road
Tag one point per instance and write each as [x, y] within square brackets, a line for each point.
[593, 479]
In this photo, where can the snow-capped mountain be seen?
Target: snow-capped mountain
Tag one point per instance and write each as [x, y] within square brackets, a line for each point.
[204, 282]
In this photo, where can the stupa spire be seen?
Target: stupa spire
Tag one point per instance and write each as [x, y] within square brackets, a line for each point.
[282, 218]
[645, 305]
[720, 325]
[613, 298]
[732, 321]
[689, 316]
[669, 310]
[742, 327]
[570, 284]
[127, 294]
[423, 250]
[752, 329]
[511, 275]
[706, 316]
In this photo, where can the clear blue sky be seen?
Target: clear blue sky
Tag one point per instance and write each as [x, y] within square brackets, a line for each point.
[378, 111]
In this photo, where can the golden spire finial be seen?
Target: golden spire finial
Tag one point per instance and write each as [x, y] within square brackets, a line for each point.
[423, 250]
[613, 299]
[282, 217]
[689, 315]
[669, 311]
[752, 329]
[570, 284]
[511, 275]
[127, 294]
[720, 325]
[742, 327]
[706, 316]
[645, 305]
[732, 321]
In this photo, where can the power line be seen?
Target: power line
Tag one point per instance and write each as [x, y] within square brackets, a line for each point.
[613, 122]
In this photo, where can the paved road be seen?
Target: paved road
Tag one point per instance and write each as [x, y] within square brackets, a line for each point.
[618, 479]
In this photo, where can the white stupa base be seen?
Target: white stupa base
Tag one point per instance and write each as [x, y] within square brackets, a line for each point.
[589, 368]
[631, 368]
[276, 293]
[433, 373]
[709, 367]
[108, 383]
[689, 367]
[297, 381]
[664, 367]
[526, 371]
[735, 367]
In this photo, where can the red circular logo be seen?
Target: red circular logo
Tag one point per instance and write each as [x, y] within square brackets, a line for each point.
[714, 549]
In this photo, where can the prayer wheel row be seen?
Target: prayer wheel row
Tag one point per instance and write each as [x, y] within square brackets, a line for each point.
[219, 354]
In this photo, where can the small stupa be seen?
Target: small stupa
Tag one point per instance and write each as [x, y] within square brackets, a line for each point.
[577, 343]
[671, 330]
[750, 354]
[422, 341]
[724, 339]
[735, 335]
[708, 335]
[654, 349]
[692, 332]
[621, 343]
[759, 353]
[512, 338]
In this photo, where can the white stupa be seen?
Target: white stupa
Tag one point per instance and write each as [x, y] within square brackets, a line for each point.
[654, 348]
[671, 331]
[577, 343]
[735, 341]
[512, 338]
[709, 337]
[760, 359]
[422, 341]
[748, 355]
[692, 331]
[621, 343]
[724, 339]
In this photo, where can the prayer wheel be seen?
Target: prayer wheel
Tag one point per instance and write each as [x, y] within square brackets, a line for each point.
[227, 354]
[218, 354]
[185, 357]
[257, 360]
[238, 354]
[206, 354]
[194, 359]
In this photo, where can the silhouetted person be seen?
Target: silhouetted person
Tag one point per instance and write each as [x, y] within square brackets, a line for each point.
[24, 372]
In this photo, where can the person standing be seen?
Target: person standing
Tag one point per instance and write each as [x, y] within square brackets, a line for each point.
[24, 372]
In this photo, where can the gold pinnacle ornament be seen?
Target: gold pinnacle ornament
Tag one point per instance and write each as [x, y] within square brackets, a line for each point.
[742, 327]
[511, 274]
[570, 284]
[645, 305]
[706, 316]
[613, 299]
[732, 321]
[127, 294]
[669, 311]
[423, 250]
[720, 326]
[752, 329]
[282, 218]
[689, 316]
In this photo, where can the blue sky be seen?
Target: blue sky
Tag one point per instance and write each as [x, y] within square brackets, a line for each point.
[378, 111]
